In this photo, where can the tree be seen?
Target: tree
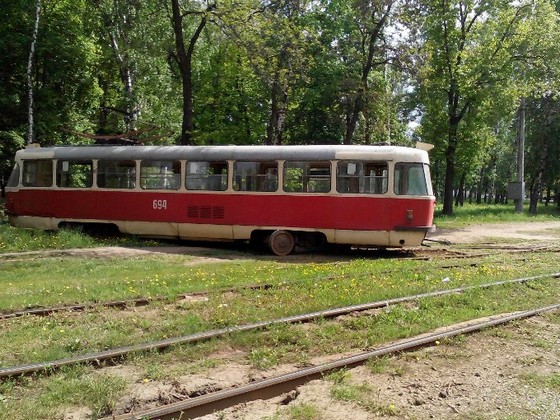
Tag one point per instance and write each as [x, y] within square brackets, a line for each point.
[30, 81]
[16, 29]
[276, 39]
[372, 18]
[184, 56]
[139, 100]
[17, 23]
[360, 65]
[542, 165]
[118, 21]
[10, 143]
[229, 96]
[67, 93]
[471, 52]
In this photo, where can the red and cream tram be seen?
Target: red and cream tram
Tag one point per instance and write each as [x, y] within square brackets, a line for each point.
[379, 196]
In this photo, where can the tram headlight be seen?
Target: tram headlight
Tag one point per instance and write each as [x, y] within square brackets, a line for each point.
[409, 215]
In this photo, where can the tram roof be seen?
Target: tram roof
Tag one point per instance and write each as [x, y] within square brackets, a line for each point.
[213, 153]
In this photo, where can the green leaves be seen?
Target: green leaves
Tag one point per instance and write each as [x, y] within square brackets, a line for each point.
[479, 59]
[311, 72]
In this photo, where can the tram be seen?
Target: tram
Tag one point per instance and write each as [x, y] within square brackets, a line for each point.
[283, 196]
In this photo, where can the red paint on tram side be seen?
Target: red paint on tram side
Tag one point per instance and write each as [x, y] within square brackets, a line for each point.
[310, 211]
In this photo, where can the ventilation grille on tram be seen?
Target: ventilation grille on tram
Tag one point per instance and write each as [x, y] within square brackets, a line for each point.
[205, 212]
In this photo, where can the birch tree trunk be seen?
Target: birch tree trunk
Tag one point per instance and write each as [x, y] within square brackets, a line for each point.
[30, 79]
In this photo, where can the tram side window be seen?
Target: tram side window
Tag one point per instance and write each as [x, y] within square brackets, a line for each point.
[160, 175]
[37, 173]
[355, 177]
[307, 177]
[74, 173]
[116, 174]
[410, 179]
[203, 175]
[13, 181]
[255, 176]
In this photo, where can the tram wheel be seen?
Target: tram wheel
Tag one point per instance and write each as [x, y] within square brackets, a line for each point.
[281, 242]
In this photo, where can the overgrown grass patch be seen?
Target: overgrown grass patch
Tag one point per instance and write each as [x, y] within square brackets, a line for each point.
[70, 389]
[303, 412]
[57, 281]
[33, 339]
[379, 365]
[493, 213]
[538, 381]
[286, 345]
[300, 285]
[14, 239]
[362, 395]
[188, 359]
[394, 323]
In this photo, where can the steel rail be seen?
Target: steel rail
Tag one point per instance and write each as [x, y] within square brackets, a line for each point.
[97, 357]
[270, 387]
[80, 307]
[508, 251]
[141, 301]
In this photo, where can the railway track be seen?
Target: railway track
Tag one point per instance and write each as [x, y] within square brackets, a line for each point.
[274, 386]
[112, 354]
[107, 252]
[143, 301]
[125, 303]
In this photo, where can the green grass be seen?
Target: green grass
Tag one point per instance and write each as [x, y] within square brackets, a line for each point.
[33, 339]
[550, 380]
[361, 395]
[493, 213]
[49, 282]
[357, 281]
[70, 389]
[304, 412]
[14, 239]
[302, 283]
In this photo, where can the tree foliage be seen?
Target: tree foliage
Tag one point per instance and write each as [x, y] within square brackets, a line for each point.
[451, 73]
[543, 165]
[475, 65]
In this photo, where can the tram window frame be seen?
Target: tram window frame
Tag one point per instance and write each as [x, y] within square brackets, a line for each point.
[70, 173]
[407, 183]
[160, 174]
[13, 180]
[38, 173]
[207, 175]
[355, 181]
[255, 176]
[113, 176]
[307, 177]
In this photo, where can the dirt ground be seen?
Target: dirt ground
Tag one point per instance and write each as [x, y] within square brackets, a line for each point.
[535, 231]
[502, 373]
[484, 376]
[497, 374]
